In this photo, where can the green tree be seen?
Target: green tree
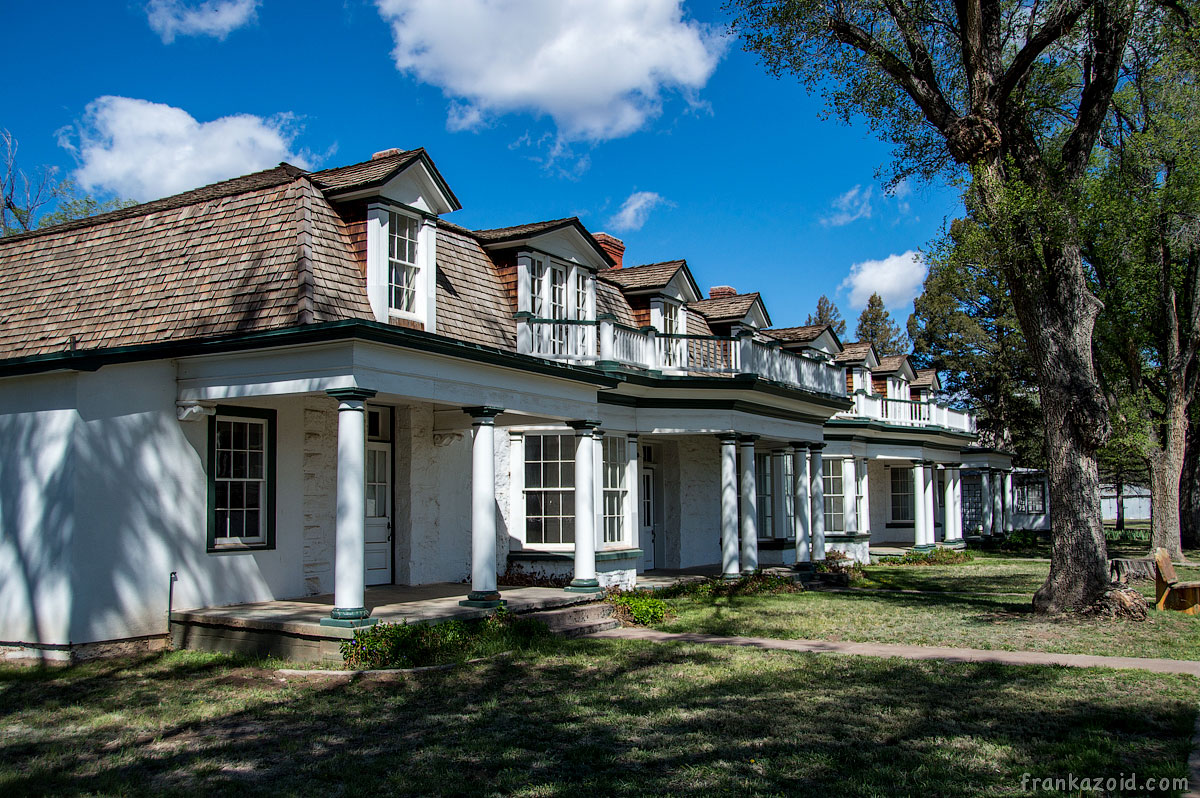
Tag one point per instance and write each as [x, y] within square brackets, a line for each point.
[29, 201]
[875, 325]
[1141, 232]
[964, 325]
[1012, 97]
[828, 313]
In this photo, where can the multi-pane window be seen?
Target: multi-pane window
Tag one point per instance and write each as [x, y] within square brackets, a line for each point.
[241, 479]
[972, 502]
[764, 489]
[835, 500]
[1031, 497]
[558, 307]
[377, 482]
[549, 489]
[402, 263]
[902, 494]
[615, 490]
[537, 287]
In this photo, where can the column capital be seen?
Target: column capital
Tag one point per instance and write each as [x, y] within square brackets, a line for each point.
[585, 426]
[782, 450]
[632, 437]
[799, 445]
[727, 437]
[485, 414]
[352, 394]
[817, 447]
[748, 438]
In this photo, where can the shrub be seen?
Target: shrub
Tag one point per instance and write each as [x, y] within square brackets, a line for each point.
[839, 563]
[637, 607]
[404, 645]
[935, 557]
[753, 585]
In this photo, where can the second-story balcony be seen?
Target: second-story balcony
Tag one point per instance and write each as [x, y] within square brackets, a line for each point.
[908, 413]
[606, 342]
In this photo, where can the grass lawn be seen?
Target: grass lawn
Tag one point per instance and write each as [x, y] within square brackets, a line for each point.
[939, 617]
[599, 717]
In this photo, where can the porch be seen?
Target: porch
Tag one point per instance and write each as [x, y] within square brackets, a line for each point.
[291, 628]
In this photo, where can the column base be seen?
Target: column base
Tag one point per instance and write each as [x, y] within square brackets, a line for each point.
[749, 571]
[349, 623]
[731, 577]
[483, 599]
[924, 548]
[584, 586]
[954, 544]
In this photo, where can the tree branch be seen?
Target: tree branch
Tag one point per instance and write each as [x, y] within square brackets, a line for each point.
[1059, 21]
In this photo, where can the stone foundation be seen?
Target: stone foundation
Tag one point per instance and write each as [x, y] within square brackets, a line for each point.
[613, 568]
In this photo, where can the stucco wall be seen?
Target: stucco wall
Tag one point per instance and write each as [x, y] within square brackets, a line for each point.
[104, 496]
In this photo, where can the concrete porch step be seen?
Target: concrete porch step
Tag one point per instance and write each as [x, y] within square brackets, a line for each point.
[579, 620]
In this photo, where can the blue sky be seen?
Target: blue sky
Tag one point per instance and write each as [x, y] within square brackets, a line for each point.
[639, 117]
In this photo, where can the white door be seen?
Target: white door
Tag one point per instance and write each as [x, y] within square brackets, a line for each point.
[646, 517]
[379, 514]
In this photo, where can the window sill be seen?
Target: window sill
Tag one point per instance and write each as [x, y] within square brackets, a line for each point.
[239, 548]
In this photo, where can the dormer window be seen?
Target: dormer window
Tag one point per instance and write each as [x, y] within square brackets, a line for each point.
[402, 263]
[401, 252]
[670, 318]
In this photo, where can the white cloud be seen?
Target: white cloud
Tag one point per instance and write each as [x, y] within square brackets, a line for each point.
[171, 18]
[144, 150]
[853, 205]
[635, 210]
[897, 279]
[598, 69]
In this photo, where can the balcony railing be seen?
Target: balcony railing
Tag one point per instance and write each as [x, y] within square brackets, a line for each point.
[909, 413]
[606, 342]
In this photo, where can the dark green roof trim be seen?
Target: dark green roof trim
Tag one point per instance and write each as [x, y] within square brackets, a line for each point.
[845, 423]
[893, 442]
[988, 450]
[326, 332]
[660, 403]
[737, 382]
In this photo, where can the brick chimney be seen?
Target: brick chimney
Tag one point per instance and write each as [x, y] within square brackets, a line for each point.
[615, 247]
[388, 153]
[721, 292]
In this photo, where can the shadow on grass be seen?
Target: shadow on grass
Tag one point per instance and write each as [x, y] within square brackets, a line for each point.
[601, 716]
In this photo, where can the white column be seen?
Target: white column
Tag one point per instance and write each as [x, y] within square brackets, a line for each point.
[954, 477]
[930, 517]
[350, 535]
[985, 502]
[948, 533]
[749, 505]
[483, 508]
[633, 492]
[802, 505]
[1008, 501]
[850, 496]
[817, 480]
[729, 506]
[864, 490]
[918, 505]
[997, 503]
[780, 458]
[585, 509]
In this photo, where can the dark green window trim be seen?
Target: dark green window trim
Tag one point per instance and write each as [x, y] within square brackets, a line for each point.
[257, 413]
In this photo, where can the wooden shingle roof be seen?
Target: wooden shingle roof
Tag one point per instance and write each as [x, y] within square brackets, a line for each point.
[726, 308]
[799, 335]
[645, 277]
[854, 351]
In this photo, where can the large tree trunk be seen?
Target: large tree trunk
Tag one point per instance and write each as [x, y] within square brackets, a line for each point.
[1166, 469]
[1189, 492]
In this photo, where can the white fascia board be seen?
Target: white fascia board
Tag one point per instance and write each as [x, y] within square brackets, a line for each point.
[566, 244]
[398, 374]
[757, 315]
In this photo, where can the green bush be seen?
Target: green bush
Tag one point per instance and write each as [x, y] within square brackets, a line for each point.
[404, 645]
[839, 563]
[935, 557]
[638, 607]
[754, 585]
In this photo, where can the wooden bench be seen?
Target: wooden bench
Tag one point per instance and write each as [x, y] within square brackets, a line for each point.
[1170, 593]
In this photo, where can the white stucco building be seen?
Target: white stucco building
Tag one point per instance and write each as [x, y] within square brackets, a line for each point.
[296, 383]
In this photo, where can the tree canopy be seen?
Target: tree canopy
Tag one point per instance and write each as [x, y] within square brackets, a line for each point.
[875, 325]
[828, 313]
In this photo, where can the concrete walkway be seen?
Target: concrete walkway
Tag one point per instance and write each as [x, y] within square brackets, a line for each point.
[1187, 667]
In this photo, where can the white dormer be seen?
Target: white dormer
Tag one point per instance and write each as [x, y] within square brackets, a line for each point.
[402, 213]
